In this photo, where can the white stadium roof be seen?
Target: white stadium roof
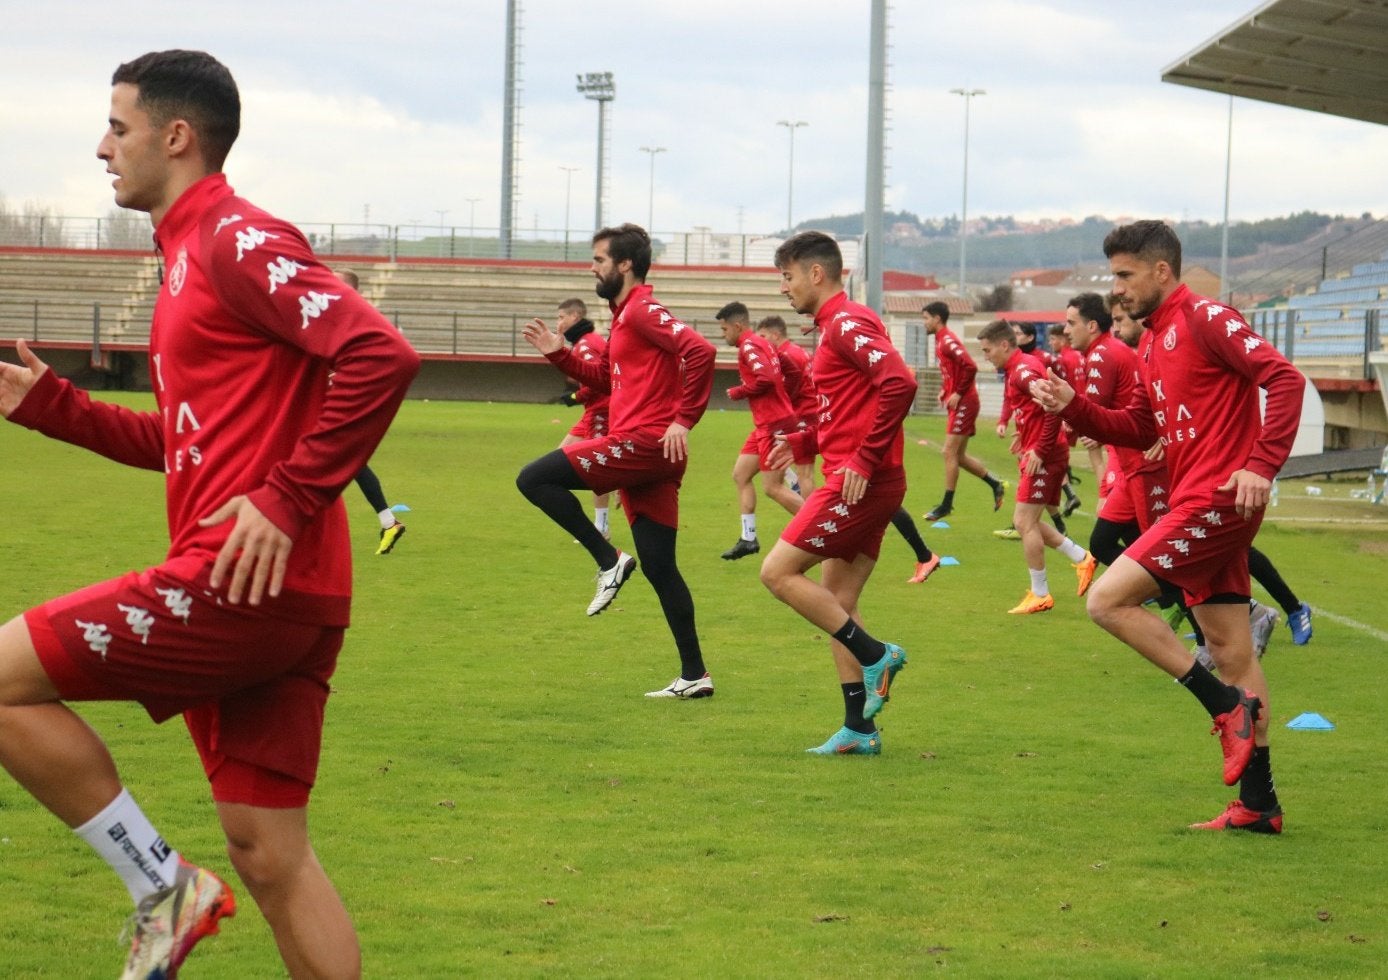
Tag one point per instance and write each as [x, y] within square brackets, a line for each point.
[1327, 56]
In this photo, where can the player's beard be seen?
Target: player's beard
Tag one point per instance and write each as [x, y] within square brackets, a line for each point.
[609, 287]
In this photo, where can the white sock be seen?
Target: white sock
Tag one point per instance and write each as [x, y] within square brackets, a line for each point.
[600, 519]
[123, 835]
[1072, 551]
[749, 527]
[1039, 586]
[387, 518]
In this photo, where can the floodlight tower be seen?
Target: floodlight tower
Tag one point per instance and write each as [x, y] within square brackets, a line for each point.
[968, 95]
[510, 128]
[873, 202]
[599, 87]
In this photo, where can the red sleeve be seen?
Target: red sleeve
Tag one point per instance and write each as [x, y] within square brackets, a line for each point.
[595, 373]
[792, 375]
[1233, 343]
[1132, 425]
[882, 367]
[762, 380]
[697, 354]
[372, 367]
[60, 410]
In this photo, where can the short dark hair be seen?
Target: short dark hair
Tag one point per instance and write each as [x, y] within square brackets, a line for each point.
[189, 85]
[938, 309]
[350, 278]
[574, 305]
[1057, 330]
[1092, 306]
[1112, 300]
[812, 247]
[1025, 326]
[1150, 241]
[628, 242]
[774, 323]
[734, 311]
[998, 331]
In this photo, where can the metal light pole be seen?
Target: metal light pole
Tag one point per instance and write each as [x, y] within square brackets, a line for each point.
[650, 204]
[791, 127]
[441, 212]
[1224, 290]
[599, 87]
[471, 222]
[968, 95]
[568, 185]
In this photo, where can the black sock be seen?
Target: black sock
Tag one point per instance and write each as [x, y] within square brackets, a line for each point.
[854, 697]
[991, 480]
[1255, 788]
[1213, 694]
[947, 501]
[1058, 521]
[864, 648]
[1069, 494]
[901, 520]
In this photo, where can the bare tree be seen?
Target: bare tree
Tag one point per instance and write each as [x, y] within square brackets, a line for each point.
[126, 229]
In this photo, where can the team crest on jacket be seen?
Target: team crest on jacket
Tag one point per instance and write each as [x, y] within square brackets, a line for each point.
[178, 275]
[1169, 341]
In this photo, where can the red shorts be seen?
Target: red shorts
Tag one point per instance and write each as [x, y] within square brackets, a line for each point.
[828, 527]
[762, 440]
[593, 424]
[1114, 504]
[802, 456]
[1044, 486]
[963, 416]
[252, 687]
[635, 465]
[1201, 547]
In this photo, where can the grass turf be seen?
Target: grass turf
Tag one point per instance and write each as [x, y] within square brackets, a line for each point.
[496, 798]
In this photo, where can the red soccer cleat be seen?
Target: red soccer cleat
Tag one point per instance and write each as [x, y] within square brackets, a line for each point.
[923, 569]
[1235, 731]
[1239, 817]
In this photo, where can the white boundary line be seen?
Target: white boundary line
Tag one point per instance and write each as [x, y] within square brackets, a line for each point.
[1377, 634]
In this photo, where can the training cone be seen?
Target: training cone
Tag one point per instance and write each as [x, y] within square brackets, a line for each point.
[1310, 721]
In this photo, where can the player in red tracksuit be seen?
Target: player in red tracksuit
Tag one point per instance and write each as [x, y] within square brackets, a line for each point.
[865, 391]
[762, 386]
[240, 626]
[959, 396]
[1199, 395]
[659, 372]
[578, 331]
[1040, 466]
[799, 381]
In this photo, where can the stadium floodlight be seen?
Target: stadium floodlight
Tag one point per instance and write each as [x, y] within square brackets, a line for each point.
[650, 205]
[599, 87]
[791, 127]
[968, 95]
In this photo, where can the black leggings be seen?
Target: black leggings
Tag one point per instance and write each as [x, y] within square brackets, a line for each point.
[371, 488]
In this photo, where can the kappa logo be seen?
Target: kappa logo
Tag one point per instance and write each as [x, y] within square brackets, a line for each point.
[313, 305]
[1250, 343]
[1195, 532]
[875, 355]
[585, 462]
[816, 542]
[615, 452]
[860, 341]
[831, 526]
[1157, 491]
[600, 459]
[1164, 561]
[230, 219]
[249, 239]
[849, 325]
[1091, 390]
[178, 275]
[1097, 357]
[1181, 545]
[1213, 311]
[178, 602]
[1038, 494]
[1159, 506]
[96, 636]
[841, 509]
[281, 271]
[1212, 517]
[1095, 373]
[139, 620]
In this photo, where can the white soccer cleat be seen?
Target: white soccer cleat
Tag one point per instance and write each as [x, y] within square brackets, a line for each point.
[610, 582]
[681, 688]
[1262, 620]
[169, 923]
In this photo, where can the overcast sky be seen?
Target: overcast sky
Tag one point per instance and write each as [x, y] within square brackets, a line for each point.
[396, 107]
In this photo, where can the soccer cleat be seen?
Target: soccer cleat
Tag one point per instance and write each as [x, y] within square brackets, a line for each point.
[999, 492]
[846, 741]
[681, 688]
[169, 923]
[390, 535]
[924, 568]
[1235, 731]
[878, 677]
[1299, 623]
[1008, 534]
[742, 549]
[1262, 620]
[1071, 505]
[1084, 572]
[1236, 816]
[610, 582]
[1032, 603]
[938, 512]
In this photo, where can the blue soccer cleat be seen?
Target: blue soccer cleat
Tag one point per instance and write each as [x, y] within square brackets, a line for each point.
[846, 741]
[1299, 623]
[877, 678]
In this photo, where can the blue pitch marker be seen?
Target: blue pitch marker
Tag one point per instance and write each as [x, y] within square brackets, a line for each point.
[1310, 721]
[948, 560]
[940, 526]
[401, 508]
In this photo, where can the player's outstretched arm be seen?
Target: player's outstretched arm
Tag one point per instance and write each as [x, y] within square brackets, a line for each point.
[17, 379]
[1053, 392]
[538, 335]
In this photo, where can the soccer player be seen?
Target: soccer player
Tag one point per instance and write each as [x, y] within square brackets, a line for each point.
[865, 391]
[1040, 468]
[799, 382]
[1199, 394]
[578, 331]
[239, 628]
[368, 482]
[762, 387]
[659, 373]
[959, 396]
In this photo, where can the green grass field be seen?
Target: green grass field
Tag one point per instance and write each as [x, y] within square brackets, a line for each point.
[497, 798]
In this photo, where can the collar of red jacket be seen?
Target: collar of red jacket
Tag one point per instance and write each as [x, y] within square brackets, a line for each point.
[183, 216]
